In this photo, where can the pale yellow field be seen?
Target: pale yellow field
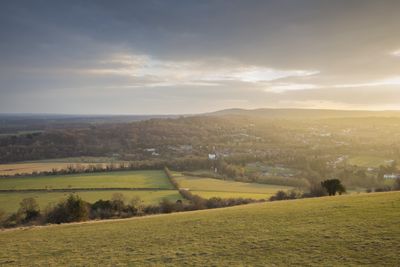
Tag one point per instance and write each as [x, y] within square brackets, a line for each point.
[29, 167]
[211, 187]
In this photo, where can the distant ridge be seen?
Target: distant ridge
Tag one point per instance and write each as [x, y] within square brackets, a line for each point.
[303, 113]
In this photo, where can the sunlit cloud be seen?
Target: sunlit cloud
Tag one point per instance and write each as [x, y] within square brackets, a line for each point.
[396, 53]
[290, 87]
[151, 72]
[393, 81]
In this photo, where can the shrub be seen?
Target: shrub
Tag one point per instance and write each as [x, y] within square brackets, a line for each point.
[102, 209]
[73, 209]
[316, 190]
[333, 186]
[396, 185]
[383, 189]
[171, 178]
[29, 209]
[167, 206]
[291, 194]
[137, 204]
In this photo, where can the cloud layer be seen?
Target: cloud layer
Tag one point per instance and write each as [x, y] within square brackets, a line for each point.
[197, 56]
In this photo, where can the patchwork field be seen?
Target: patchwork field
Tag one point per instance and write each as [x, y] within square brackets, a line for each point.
[222, 194]
[368, 161]
[348, 230]
[211, 187]
[50, 164]
[152, 186]
[115, 179]
[9, 202]
[27, 168]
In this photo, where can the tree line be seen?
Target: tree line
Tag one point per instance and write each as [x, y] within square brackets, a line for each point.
[75, 209]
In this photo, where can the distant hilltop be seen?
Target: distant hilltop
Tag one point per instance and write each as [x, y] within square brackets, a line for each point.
[304, 113]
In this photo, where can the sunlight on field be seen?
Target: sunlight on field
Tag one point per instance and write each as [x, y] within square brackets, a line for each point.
[115, 179]
[209, 187]
[368, 161]
[155, 182]
[50, 164]
[27, 168]
[332, 231]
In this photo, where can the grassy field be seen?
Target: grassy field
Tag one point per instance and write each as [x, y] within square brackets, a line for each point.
[9, 202]
[367, 161]
[50, 164]
[30, 167]
[210, 187]
[221, 194]
[79, 160]
[152, 180]
[349, 230]
[116, 179]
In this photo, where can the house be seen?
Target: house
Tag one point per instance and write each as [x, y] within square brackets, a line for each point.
[391, 176]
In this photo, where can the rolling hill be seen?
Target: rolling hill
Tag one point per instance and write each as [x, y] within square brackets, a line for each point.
[332, 231]
[304, 113]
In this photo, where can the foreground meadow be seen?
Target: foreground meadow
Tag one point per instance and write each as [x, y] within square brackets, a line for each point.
[332, 231]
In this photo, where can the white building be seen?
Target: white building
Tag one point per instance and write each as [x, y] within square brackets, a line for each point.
[391, 176]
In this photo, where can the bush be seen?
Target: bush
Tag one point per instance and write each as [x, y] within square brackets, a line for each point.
[73, 209]
[316, 190]
[282, 195]
[167, 206]
[333, 186]
[383, 189]
[171, 178]
[29, 210]
[396, 185]
[102, 209]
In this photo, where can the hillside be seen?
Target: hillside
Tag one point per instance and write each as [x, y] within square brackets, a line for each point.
[332, 231]
[304, 113]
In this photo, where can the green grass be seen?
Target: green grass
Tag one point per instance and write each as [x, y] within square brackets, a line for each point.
[367, 161]
[117, 179]
[349, 230]
[210, 187]
[221, 194]
[9, 202]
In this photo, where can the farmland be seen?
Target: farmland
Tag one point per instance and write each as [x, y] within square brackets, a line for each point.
[9, 202]
[120, 179]
[368, 161]
[50, 164]
[150, 186]
[332, 231]
[211, 187]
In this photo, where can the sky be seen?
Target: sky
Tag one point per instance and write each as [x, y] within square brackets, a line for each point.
[181, 57]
